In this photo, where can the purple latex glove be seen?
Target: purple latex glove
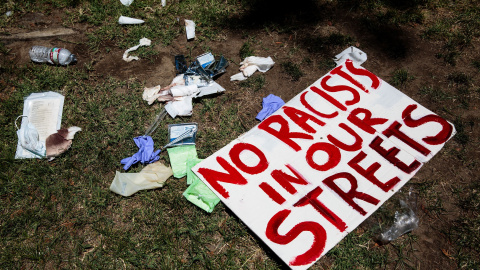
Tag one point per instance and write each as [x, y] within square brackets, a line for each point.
[145, 153]
[270, 104]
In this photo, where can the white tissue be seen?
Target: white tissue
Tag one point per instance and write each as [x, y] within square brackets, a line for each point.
[181, 107]
[143, 42]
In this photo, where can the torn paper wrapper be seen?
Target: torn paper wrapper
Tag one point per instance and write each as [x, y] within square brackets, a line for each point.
[152, 176]
[150, 94]
[143, 42]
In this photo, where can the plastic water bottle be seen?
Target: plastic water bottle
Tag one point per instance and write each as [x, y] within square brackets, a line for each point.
[56, 56]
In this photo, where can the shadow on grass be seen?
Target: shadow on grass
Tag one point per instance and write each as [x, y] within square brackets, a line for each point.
[378, 32]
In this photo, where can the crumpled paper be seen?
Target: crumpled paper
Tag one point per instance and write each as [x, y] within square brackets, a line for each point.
[270, 104]
[250, 65]
[145, 154]
[143, 42]
[152, 176]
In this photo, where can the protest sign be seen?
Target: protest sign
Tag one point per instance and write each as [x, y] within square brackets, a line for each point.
[314, 170]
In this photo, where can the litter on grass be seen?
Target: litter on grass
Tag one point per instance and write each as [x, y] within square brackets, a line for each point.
[190, 29]
[191, 82]
[145, 155]
[406, 220]
[182, 134]
[128, 20]
[59, 142]
[198, 193]
[126, 2]
[182, 146]
[39, 134]
[179, 156]
[356, 55]
[143, 42]
[270, 104]
[152, 176]
[250, 65]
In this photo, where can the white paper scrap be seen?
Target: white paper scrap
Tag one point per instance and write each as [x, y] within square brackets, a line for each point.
[143, 42]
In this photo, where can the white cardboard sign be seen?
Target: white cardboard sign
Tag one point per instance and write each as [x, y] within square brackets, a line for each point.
[318, 167]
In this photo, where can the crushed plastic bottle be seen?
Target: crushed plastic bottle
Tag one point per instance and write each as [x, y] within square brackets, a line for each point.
[405, 221]
[55, 56]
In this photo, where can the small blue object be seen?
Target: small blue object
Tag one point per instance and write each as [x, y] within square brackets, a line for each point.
[145, 154]
[270, 104]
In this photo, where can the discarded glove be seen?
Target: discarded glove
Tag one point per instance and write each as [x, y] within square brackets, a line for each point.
[270, 104]
[145, 154]
[152, 176]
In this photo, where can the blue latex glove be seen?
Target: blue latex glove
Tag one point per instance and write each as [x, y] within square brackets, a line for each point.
[270, 104]
[145, 153]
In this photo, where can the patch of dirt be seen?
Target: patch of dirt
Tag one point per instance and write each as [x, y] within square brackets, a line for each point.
[388, 49]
